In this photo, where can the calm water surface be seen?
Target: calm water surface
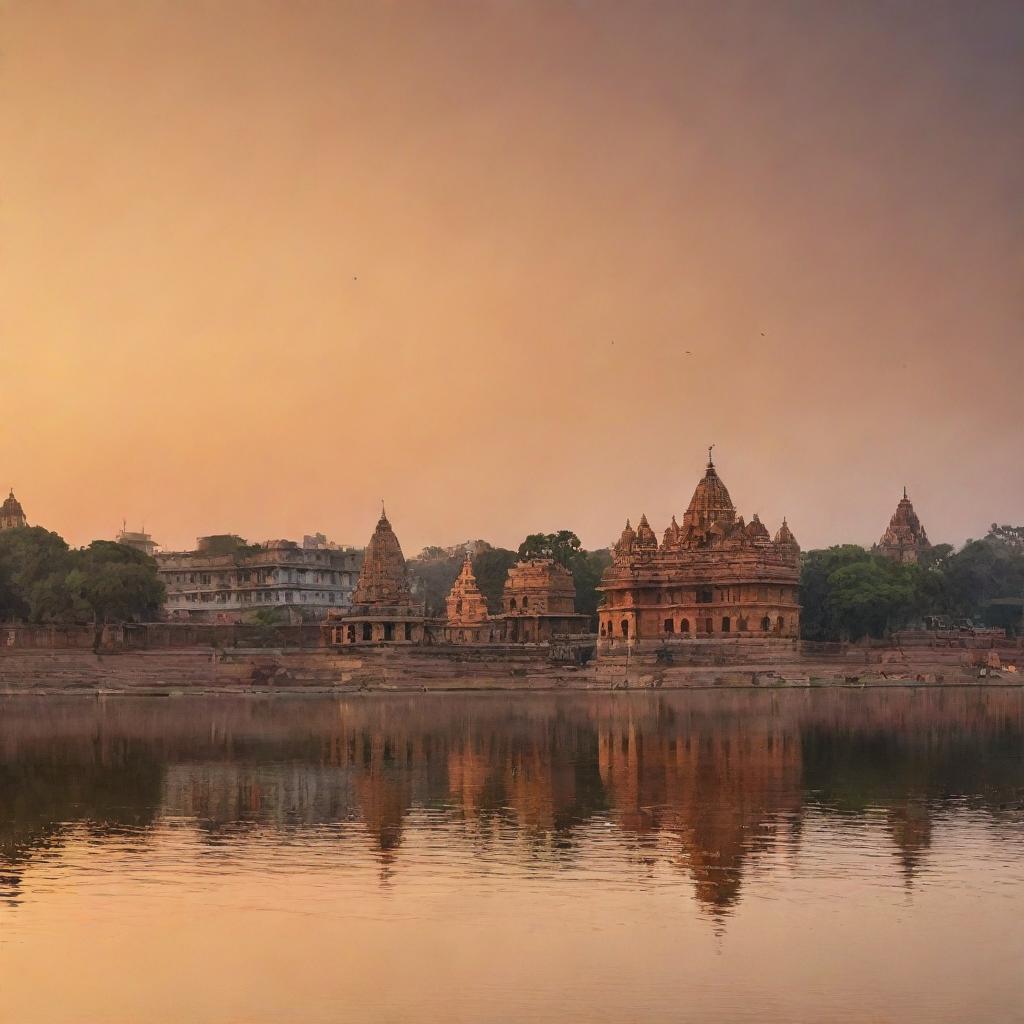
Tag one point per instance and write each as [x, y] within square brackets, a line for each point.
[713, 857]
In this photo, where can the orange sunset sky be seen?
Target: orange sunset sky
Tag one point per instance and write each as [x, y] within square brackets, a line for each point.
[510, 265]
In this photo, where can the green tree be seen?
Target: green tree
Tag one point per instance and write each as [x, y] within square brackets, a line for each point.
[562, 546]
[587, 568]
[35, 562]
[434, 578]
[117, 583]
[490, 569]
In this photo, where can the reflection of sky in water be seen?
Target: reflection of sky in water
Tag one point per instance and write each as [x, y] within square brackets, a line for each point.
[820, 855]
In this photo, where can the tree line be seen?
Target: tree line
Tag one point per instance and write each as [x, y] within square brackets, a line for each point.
[42, 580]
[849, 592]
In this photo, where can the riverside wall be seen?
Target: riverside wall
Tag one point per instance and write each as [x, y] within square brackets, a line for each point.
[705, 664]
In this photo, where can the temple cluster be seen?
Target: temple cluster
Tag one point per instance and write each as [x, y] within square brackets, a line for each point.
[538, 603]
[712, 575]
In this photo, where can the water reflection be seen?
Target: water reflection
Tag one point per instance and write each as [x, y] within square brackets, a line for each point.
[708, 781]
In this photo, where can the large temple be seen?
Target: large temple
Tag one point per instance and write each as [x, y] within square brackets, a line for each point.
[383, 609]
[12, 515]
[905, 539]
[712, 575]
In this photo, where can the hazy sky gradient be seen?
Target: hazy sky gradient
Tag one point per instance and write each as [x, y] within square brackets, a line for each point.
[263, 263]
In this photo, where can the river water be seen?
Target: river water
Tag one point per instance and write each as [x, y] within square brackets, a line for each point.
[816, 856]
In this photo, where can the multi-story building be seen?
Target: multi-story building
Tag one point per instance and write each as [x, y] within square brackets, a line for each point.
[140, 541]
[224, 578]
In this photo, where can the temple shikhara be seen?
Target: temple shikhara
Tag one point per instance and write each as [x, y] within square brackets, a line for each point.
[383, 609]
[905, 539]
[467, 617]
[712, 575]
[12, 515]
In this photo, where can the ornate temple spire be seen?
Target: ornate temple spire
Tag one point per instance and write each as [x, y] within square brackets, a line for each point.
[383, 577]
[905, 537]
[12, 515]
[626, 540]
[645, 538]
[785, 538]
[710, 502]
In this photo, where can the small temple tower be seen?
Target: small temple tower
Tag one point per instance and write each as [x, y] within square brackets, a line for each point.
[382, 609]
[539, 601]
[12, 515]
[905, 540]
[468, 620]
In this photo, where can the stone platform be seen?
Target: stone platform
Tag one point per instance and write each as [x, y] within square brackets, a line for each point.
[512, 667]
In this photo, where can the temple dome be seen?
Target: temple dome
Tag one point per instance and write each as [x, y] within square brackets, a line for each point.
[785, 538]
[383, 577]
[710, 502]
[11, 506]
[757, 531]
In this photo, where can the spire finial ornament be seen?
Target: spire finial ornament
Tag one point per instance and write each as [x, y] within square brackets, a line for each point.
[711, 462]
[904, 492]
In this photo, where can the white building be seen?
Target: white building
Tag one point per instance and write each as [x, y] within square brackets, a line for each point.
[224, 578]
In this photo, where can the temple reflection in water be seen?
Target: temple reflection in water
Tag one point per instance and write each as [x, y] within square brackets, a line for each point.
[705, 782]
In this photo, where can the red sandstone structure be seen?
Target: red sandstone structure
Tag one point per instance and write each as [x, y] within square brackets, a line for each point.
[383, 609]
[713, 575]
[539, 603]
[468, 620]
[12, 515]
[905, 540]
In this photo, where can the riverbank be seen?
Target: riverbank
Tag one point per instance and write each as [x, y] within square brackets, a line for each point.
[319, 671]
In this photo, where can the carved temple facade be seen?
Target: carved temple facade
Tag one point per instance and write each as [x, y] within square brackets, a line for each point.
[539, 603]
[712, 576]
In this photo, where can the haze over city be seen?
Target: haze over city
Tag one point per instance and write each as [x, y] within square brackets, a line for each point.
[511, 267]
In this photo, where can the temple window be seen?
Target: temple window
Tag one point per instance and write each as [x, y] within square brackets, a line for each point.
[389, 631]
[726, 624]
[684, 625]
[512, 604]
[709, 626]
[526, 601]
[766, 624]
[367, 631]
[625, 627]
[704, 595]
[780, 623]
[670, 626]
[408, 631]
